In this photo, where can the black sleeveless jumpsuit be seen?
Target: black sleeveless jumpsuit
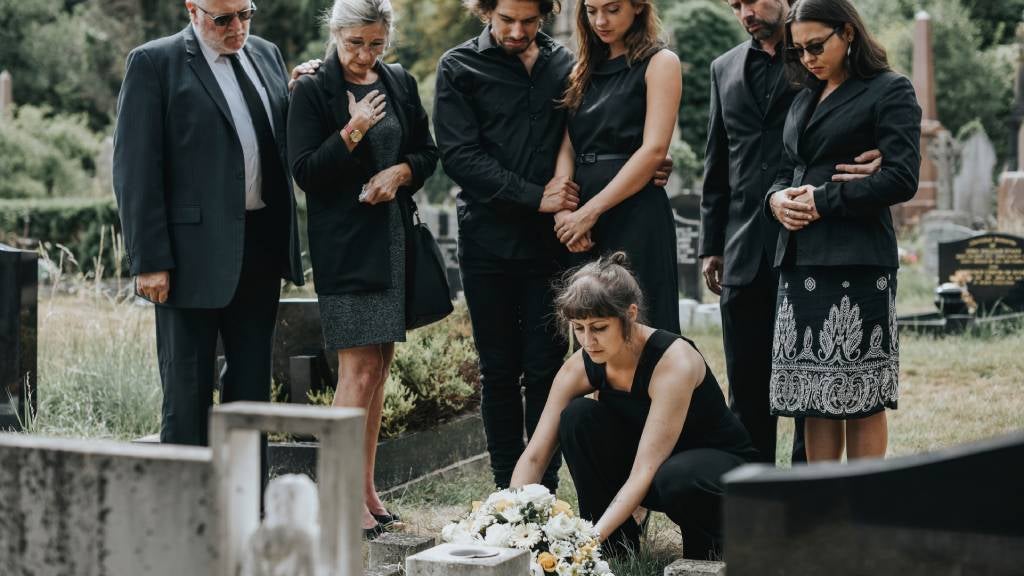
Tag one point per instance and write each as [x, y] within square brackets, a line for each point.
[607, 128]
[599, 441]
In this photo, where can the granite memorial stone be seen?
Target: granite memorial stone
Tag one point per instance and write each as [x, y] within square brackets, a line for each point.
[18, 333]
[686, 208]
[990, 265]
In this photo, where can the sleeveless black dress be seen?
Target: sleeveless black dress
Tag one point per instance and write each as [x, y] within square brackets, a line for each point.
[607, 128]
[600, 440]
[709, 422]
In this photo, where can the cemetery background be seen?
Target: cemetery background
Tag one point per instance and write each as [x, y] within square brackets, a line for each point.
[97, 365]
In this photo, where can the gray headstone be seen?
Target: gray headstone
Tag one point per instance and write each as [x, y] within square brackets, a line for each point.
[687, 220]
[973, 188]
[686, 567]
[6, 94]
[389, 570]
[941, 226]
[18, 334]
[394, 548]
[944, 151]
[956, 511]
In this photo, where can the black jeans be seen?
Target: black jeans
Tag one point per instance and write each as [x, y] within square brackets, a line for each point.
[599, 449]
[748, 326]
[520, 349]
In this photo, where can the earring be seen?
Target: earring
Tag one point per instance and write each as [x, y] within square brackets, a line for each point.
[848, 48]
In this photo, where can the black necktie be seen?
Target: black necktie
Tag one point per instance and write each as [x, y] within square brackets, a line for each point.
[270, 162]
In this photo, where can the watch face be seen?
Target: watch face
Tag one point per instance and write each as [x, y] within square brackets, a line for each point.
[355, 136]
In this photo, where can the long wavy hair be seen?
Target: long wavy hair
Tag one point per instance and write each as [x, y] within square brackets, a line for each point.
[642, 40]
[867, 57]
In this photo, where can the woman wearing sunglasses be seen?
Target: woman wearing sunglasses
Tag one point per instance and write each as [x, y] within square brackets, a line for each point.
[359, 146]
[836, 351]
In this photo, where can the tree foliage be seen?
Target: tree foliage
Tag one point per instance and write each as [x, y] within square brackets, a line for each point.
[701, 31]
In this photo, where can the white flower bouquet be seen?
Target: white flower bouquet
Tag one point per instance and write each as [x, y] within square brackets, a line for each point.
[530, 518]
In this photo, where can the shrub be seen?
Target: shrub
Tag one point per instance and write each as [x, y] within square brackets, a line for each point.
[44, 154]
[434, 377]
[76, 223]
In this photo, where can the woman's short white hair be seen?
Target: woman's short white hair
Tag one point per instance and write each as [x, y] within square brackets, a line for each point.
[354, 13]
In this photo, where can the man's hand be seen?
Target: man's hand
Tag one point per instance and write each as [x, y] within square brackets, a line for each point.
[793, 215]
[712, 269]
[560, 194]
[867, 164]
[582, 245]
[662, 174]
[307, 67]
[575, 227]
[154, 286]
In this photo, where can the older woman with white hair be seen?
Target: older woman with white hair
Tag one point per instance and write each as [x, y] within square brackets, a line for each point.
[359, 145]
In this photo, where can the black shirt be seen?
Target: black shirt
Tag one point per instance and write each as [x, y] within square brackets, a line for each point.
[763, 72]
[499, 130]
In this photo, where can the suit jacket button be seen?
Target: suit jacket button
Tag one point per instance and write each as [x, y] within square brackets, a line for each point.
[764, 165]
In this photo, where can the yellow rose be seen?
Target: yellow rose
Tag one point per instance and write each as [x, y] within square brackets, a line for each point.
[476, 505]
[501, 505]
[561, 507]
[547, 561]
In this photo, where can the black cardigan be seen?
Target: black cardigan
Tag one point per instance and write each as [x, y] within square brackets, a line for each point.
[856, 225]
[348, 240]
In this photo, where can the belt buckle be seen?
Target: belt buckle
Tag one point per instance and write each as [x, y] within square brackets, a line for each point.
[588, 158]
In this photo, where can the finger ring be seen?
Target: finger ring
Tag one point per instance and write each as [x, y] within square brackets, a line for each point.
[787, 212]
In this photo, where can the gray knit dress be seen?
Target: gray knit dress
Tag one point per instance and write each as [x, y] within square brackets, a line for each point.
[373, 317]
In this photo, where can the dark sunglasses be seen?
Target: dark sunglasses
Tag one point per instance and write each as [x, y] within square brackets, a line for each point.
[796, 53]
[222, 20]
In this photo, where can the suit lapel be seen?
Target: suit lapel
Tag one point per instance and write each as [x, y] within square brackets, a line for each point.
[799, 111]
[843, 94]
[337, 90]
[201, 68]
[742, 69]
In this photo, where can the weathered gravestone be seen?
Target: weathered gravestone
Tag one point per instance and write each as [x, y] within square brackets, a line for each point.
[18, 333]
[464, 560]
[991, 265]
[954, 512]
[973, 188]
[940, 226]
[6, 95]
[686, 208]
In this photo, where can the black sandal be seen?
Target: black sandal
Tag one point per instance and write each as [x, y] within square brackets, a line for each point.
[375, 532]
[387, 519]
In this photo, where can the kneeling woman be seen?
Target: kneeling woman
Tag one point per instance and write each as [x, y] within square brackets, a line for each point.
[659, 436]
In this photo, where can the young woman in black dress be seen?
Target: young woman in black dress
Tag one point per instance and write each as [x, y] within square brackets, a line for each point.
[659, 436]
[623, 101]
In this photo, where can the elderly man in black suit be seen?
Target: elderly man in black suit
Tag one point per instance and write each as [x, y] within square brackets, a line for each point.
[750, 97]
[206, 205]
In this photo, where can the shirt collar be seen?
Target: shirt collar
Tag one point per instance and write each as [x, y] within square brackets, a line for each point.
[755, 46]
[485, 41]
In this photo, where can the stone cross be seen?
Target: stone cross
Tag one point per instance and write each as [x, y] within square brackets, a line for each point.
[924, 86]
[6, 95]
[235, 440]
[944, 151]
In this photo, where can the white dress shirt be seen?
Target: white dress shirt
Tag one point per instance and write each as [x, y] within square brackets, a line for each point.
[225, 75]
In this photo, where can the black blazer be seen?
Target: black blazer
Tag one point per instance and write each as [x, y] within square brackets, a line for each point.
[741, 162]
[179, 174]
[349, 240]
[856, 225]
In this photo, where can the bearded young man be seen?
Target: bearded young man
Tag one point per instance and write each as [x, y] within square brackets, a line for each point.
[750, 97]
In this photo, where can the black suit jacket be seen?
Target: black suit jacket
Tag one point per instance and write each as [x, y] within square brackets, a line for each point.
[856, 225]
[741, 162]
[179, 174]
[349, 240]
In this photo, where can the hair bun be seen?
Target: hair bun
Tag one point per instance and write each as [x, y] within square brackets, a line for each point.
[618, 257]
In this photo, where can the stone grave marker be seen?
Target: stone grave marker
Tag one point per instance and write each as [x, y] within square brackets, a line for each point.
[992, 265]
[1011, 201]
[973, 188]
[466, 560]
[18, 333]
[952, 512]
[686, 211]
[6, 95]
[394, 547]
[941, 226]
[686, 567]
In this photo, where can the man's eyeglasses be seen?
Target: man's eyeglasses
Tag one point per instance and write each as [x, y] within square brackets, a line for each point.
[222, 20]
[796, 53]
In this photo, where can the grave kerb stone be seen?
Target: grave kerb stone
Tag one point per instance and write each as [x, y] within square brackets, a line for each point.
[687, 567]
[444, 560]
[395, 547]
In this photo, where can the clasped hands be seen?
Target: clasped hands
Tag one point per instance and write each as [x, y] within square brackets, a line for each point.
[794, 207]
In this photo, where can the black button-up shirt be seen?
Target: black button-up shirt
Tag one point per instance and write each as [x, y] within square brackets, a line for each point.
[763, 71]
[499, 129]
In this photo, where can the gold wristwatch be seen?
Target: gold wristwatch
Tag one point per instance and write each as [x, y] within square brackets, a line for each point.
[354, 134]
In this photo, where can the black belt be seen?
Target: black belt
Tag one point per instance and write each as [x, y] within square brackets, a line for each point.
[595, 158]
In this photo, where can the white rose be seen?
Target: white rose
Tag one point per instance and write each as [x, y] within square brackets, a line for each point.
[537, 495]
[560, 527]
[498, 535]
[480, 523]
[601, 568]
[456, 533]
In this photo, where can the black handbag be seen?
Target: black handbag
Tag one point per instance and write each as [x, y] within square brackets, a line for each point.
[427, 295]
